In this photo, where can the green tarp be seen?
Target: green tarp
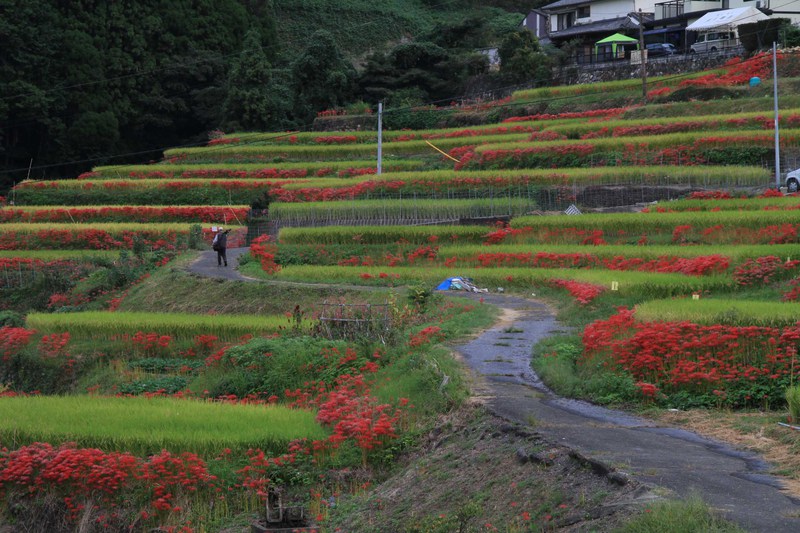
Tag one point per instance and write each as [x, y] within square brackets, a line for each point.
[615, 40]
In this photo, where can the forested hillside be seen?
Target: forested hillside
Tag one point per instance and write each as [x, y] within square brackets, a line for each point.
[84, 83]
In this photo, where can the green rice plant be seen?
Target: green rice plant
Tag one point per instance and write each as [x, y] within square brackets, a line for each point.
[144, 426]
[103, 236]
[725, 227]
[789, 137]
[732, 121]
[174, 170]
[395, 210]
[339, 152]
[793, 403]
[317, 138]
[106, 324]
[623, 283]
[600, 87]
[124, 213]
[381, 234]
[692, 514]
[141, 192]
[735, 253]
[728, 204]
[435, 182]
[110, 227]
[55, 255]
[720, 311]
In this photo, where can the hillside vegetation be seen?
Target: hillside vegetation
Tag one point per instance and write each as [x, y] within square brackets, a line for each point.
[337, 336]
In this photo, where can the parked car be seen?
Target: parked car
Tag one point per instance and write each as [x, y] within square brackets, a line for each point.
[714, 41]
[793, 181]
[661, 49]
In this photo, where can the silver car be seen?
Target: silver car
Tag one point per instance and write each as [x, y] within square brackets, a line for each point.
[793, 180]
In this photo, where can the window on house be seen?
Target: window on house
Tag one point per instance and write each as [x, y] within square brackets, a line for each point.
[583, 12]
[566, 20]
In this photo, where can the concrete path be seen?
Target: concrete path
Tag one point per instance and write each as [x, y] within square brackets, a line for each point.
[732, 482]
[206, 265]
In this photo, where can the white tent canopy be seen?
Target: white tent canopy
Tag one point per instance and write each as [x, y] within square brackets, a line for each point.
[728, 18]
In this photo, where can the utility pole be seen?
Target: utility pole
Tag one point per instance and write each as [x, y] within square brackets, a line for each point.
[643, 55]
[775, 104]
[380, 137]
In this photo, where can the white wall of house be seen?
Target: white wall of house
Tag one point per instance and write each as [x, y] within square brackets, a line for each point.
[601, 10]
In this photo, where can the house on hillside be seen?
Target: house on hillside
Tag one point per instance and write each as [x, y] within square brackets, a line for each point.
[536, 21]
[585, 22]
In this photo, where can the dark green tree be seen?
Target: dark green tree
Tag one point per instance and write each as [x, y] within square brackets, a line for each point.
[424, 69]
[522, 60]
[323, 78]
[256, 100]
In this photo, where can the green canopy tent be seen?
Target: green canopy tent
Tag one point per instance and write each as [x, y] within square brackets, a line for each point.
[614, 41]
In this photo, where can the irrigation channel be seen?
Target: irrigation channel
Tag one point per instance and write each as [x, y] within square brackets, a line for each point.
[733, 482]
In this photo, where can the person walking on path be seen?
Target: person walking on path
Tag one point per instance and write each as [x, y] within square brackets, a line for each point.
[220, 245]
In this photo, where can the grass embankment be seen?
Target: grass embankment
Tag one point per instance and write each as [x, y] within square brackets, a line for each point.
[144, 426]
[367, 211]
[642, 284]
[106, 324]
[173, 290]
[432, 181]
[241, 170]
[55, 255]
[732, 204]
[720, 311]
[298, 153]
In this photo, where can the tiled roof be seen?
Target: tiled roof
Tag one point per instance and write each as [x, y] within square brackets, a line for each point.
[564, 3]
[609, 25]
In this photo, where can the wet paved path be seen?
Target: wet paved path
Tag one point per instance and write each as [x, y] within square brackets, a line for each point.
[732, 482]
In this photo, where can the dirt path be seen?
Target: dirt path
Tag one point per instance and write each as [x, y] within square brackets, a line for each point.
[732, 482]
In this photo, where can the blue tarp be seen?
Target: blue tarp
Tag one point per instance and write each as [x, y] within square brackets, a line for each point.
[451, 283]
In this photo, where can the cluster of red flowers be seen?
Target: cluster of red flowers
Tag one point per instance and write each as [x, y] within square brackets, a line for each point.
[264, 251]
[597, 113]
[648, 129]
[539, 156]
[684, 355]
[502, 233]
[695, 266]
[426, 336]
[151, 341]
[546, 135]
[54, 345]
[738, 71]
[81, 474]
[12, 340]
[126, 214]
[93, 239]
[499, 130]
[336, 139]
[583, 293]
[762, 270]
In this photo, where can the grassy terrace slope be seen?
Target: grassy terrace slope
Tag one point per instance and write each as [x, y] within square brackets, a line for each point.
[100, 324]
[137, 323]
[720, 311]
[145, 426]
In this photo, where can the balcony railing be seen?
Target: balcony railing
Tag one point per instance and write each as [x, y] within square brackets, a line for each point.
[665, 10]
